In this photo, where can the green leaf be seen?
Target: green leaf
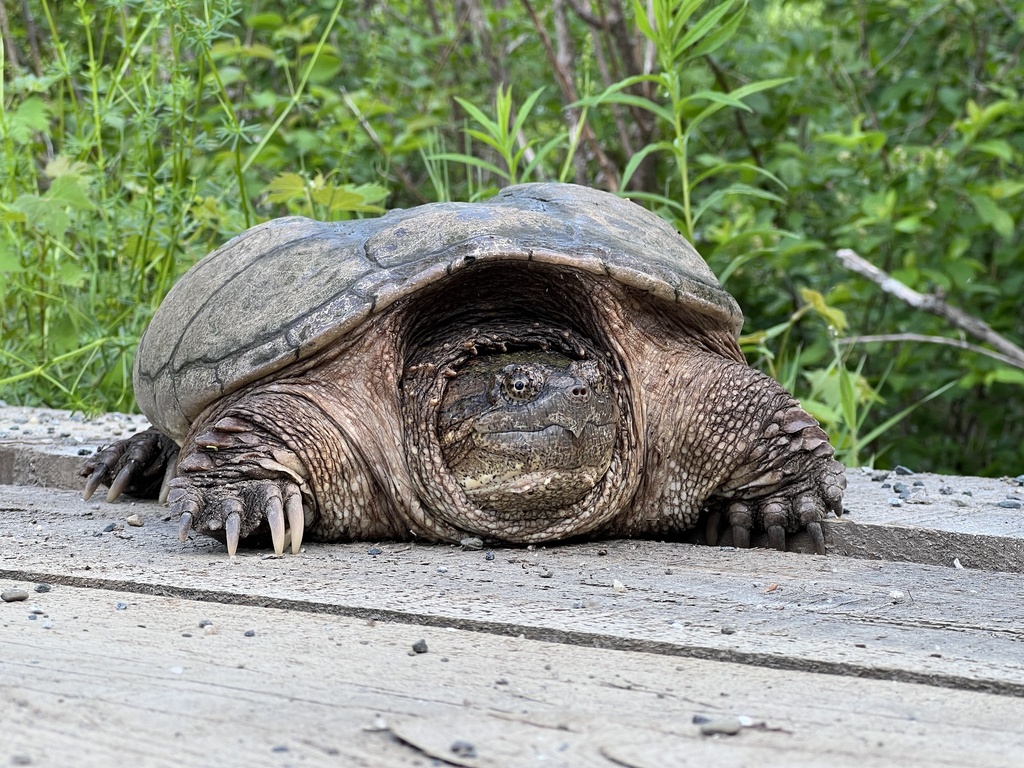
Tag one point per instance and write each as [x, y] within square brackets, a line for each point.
[993, 215]
[704, 25]
[46, 214]
[833, 316]
[629, 99]
[477, 114]
[638, 157]
[723, 167]
[733, 189]
[720, 36]
[32, 115]
[996, 147]
[71, 190]
[524, 111]
[476, 162]
[285, 188]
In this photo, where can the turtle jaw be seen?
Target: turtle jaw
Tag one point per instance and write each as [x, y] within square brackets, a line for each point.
[529, 433]
[497, 476]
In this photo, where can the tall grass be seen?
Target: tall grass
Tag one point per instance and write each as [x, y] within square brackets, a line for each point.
[135, 151]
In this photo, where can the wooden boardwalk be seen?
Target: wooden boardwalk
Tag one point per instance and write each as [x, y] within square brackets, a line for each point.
[594, 654]
[903, 647]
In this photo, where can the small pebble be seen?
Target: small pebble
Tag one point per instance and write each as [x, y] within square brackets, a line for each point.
[472, 543]
[14, 595]
[420, 646]
[203, 623]
[489, 555]
[899, 469]
[134, 520]
[110, 527]
[442, 569]
[879, 476]
[895, 503]
[43, 587]
[945, 490]
[250, 633]
[47, 624]
[919, 483]
[545, 574]
[728, 630]
[374, 551]
[887, 485]
[726, 725]
[1019, 479]
[122, 606]
[463, 749]
[896, 596]
[966, 493]
[21, 759]
[1009, 504]
[899, 487]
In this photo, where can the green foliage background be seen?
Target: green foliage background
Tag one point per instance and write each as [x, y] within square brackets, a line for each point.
[137, 135]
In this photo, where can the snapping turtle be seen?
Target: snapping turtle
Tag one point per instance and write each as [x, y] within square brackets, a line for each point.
[552, 363]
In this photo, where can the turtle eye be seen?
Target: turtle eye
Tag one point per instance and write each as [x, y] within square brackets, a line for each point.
[520, 384]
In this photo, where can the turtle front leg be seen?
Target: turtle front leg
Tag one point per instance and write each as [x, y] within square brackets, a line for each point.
[742, 450]
[781, 474]
[140, 466]
[237, 480]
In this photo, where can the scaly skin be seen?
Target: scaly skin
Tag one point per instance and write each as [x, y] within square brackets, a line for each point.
[349, 446]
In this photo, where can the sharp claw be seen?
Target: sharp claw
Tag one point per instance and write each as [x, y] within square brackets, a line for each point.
[296, 519]
[121, 481]
[817, 536]
[711, 532]
[165, 487]
[232, 530]
[184, 526]
[92, 484]
[740, 537]
[777, 537]
[275, 517]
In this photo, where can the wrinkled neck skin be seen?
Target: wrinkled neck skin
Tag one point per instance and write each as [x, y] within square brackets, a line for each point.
[415, 428]
[518, 420]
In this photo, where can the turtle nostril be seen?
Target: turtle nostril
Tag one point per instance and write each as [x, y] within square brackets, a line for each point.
[579, 391]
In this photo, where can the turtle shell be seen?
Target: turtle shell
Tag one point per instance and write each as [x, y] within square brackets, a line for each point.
[287, 289]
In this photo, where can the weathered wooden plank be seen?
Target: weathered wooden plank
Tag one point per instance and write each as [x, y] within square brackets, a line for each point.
[957, 628]
[942, 519]
[107, 678]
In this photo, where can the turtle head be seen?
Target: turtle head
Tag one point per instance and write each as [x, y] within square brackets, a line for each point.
[526, 433]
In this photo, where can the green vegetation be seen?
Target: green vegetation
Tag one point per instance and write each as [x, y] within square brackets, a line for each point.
[137, 135]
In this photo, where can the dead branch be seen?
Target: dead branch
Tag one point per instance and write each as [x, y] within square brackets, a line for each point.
[568, 88]
[920, 338]
[936, 305]
[371, 134]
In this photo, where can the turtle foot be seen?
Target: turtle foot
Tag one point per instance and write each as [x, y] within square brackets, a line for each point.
[236, 511]
[781, 513]
[138, 466]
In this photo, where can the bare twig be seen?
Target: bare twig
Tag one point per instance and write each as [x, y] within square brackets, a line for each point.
[920, 338]
[936, 305]
[568, 88]
[403, 177]
[9, 49]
